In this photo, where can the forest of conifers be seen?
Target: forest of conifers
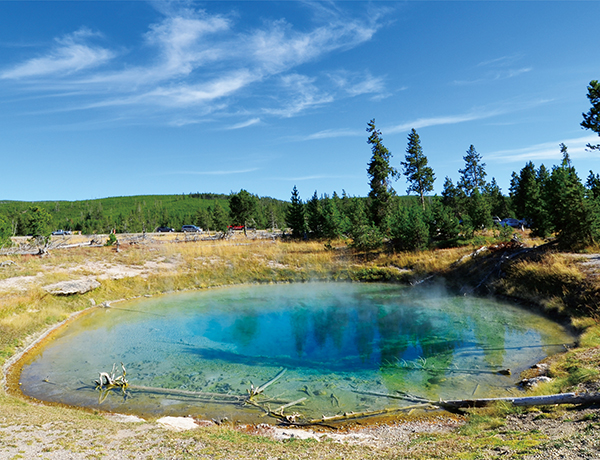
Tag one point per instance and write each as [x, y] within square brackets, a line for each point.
[553, 202]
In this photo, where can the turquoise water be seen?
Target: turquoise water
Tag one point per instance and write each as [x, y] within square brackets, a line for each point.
[337, 341]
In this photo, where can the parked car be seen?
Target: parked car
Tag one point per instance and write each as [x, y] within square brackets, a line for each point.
[164, 229]
[496, 220]
[190, 228]
[61, 232]
[512, 222]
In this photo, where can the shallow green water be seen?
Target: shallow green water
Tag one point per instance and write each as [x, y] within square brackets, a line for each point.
[336, 341]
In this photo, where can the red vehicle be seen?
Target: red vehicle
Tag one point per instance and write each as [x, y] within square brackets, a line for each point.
[235, 227]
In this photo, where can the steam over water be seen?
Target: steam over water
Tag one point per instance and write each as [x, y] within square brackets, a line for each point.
[337, 342]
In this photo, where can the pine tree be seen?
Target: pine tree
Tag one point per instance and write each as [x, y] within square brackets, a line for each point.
[473, 175]
[332, 219]
[419, 176]
[479, 211]
[445, 223]
[204, 219]
[365, 236]
[450, 195]
[314, 216]
[380, 171]
[39, 222]
[498, 202]
[528, 199]
[295, 215]
[591, 120]
[410, 231]
[574, 222]
[242, 208]
[5, 232]
[593, 185]
[219, 217]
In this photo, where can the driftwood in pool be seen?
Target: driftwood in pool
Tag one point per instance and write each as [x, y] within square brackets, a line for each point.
[109, 381]
[561, 398]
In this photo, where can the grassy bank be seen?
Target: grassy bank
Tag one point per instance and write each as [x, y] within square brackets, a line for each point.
[553, 281]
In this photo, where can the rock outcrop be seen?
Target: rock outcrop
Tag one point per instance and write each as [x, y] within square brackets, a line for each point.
[80, 286]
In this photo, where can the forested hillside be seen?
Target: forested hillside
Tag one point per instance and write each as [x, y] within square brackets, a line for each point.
[134, 213]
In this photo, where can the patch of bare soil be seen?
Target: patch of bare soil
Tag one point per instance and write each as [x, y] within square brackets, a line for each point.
[99, 270]
[20, 283]
[589, 264]
[571, 435]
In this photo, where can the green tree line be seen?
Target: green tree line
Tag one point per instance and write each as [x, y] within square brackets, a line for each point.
[551, 202]
[137, 214]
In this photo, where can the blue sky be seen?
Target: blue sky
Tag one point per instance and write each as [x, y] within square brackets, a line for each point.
[112, 98]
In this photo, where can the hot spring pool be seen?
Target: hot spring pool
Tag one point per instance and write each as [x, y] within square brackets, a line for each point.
[339, 343]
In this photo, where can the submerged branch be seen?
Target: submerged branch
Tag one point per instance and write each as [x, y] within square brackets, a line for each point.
[562, 398]
[256, 391]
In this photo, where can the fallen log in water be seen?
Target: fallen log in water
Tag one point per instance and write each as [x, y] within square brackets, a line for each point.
[252, 391]
[561, 398]
[201, 395]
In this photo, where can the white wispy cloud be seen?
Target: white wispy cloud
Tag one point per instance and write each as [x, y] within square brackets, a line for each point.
[474, 115]
[222, 172]
[501, 61]
[312, 177]
[70, 54]
[545, 151]
[332, 133]
[356, 84]
[179, 40]
[201, 61]
[500, 68]
[436, 121]
[495, 75]
[244, 124]
[302, 94]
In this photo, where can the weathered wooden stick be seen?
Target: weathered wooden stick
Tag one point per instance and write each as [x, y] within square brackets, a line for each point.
[256, 391]
[356, 415]
[194, 394]
[403, 396]
[562, 398]
[285, 406]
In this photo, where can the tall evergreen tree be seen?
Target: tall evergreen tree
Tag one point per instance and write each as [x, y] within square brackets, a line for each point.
[498, 202]
[380, 171]
[524, 189]
[445, 224]
[574, 222]
[473, 174]
[204, 219]
[39, 220]
[295, 215]
[593, 185]
[5, 232]
[419, 176]
[528, 198]
[591, 120]
[219, 217]
[410, 231]
[314, 216]
[331, 218]
[242, 208]
[450, 195]
[479, 211]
